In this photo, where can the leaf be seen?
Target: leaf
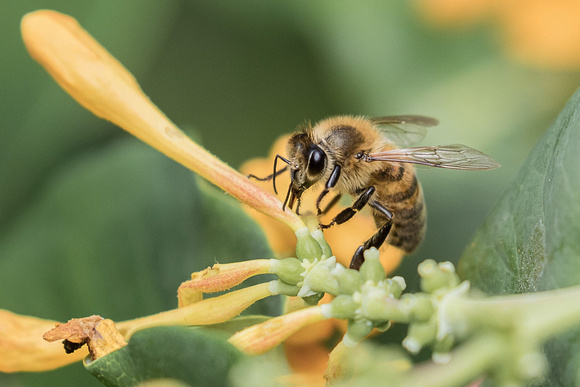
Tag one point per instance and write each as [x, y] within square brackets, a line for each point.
[531, 240]
[198, 357]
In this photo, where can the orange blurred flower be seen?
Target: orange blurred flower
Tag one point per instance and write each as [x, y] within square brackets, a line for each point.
[544, 33]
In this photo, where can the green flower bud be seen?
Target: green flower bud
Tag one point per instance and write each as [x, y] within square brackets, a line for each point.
[379, 306]
[418, 306]
[343, 306]
[288, 270]
[317, 277]
[419, 335]
[437, 276]
[281, 287]
[306, 246]
[371, 268]
[349, 280]
[356, 330]
[394, 286]
[319, 237]
[441, 349]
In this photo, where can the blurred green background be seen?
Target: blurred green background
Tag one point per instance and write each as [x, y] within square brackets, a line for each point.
[235, 75]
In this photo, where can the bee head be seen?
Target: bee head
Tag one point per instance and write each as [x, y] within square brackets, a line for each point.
[308, 163]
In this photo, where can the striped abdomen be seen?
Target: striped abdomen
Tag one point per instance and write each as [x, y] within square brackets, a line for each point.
[399, 191]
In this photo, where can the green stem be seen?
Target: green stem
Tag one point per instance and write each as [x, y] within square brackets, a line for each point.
[467, 363]
[536, 315]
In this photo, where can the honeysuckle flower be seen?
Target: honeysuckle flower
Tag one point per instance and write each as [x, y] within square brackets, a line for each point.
[97, 81]
[540, 32]
[217, 278]
[102, 85]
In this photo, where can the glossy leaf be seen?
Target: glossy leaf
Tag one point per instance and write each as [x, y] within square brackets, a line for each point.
[197, 357]
[531, 240]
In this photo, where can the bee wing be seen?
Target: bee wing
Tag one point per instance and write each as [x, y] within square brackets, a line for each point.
[404, 130]
[453, 156]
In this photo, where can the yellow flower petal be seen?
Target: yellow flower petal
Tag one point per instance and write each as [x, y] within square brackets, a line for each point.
[219, 277]
[97, 81]
[22, 348]
[260, 338]
[210, 311]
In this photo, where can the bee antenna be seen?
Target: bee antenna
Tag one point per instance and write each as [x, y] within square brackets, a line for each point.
[276, 172]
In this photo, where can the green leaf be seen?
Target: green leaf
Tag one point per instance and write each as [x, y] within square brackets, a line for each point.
[531, 240]
[198, 357]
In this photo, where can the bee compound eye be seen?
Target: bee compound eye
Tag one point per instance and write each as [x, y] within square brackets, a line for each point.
[316, 161]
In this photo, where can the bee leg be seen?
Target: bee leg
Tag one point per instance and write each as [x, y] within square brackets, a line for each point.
[376, 240]
[331, 183]
[330, 204]
[349, 212]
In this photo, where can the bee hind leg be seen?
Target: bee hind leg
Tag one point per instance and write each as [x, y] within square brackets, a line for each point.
[330, 204]
[376, 240]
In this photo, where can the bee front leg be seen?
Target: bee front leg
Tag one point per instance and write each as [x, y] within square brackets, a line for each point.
[330, 204]
[349, 212]
[331, 183]
[376, 240]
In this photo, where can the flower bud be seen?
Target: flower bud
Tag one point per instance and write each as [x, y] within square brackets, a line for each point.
[319, 279]
[418, 306]
[371, 268]
[343, 306]
[419, 335]
[281, 287]
[306, 246]
[356, 330]
[441, 349]
[288, 270]
[395, 286]
[219, 277]
[319, 237]
[437, 276]
[349, 280]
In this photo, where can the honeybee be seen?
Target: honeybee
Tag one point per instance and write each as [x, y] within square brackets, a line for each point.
[358, 156]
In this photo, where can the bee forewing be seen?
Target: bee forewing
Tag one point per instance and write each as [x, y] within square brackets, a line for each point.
[404, 130]
[455, 156]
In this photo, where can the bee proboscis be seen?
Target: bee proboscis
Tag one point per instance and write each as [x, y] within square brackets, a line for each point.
[360, 156]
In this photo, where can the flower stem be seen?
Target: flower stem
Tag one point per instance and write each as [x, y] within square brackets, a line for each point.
[467, 363]
[538, 315]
